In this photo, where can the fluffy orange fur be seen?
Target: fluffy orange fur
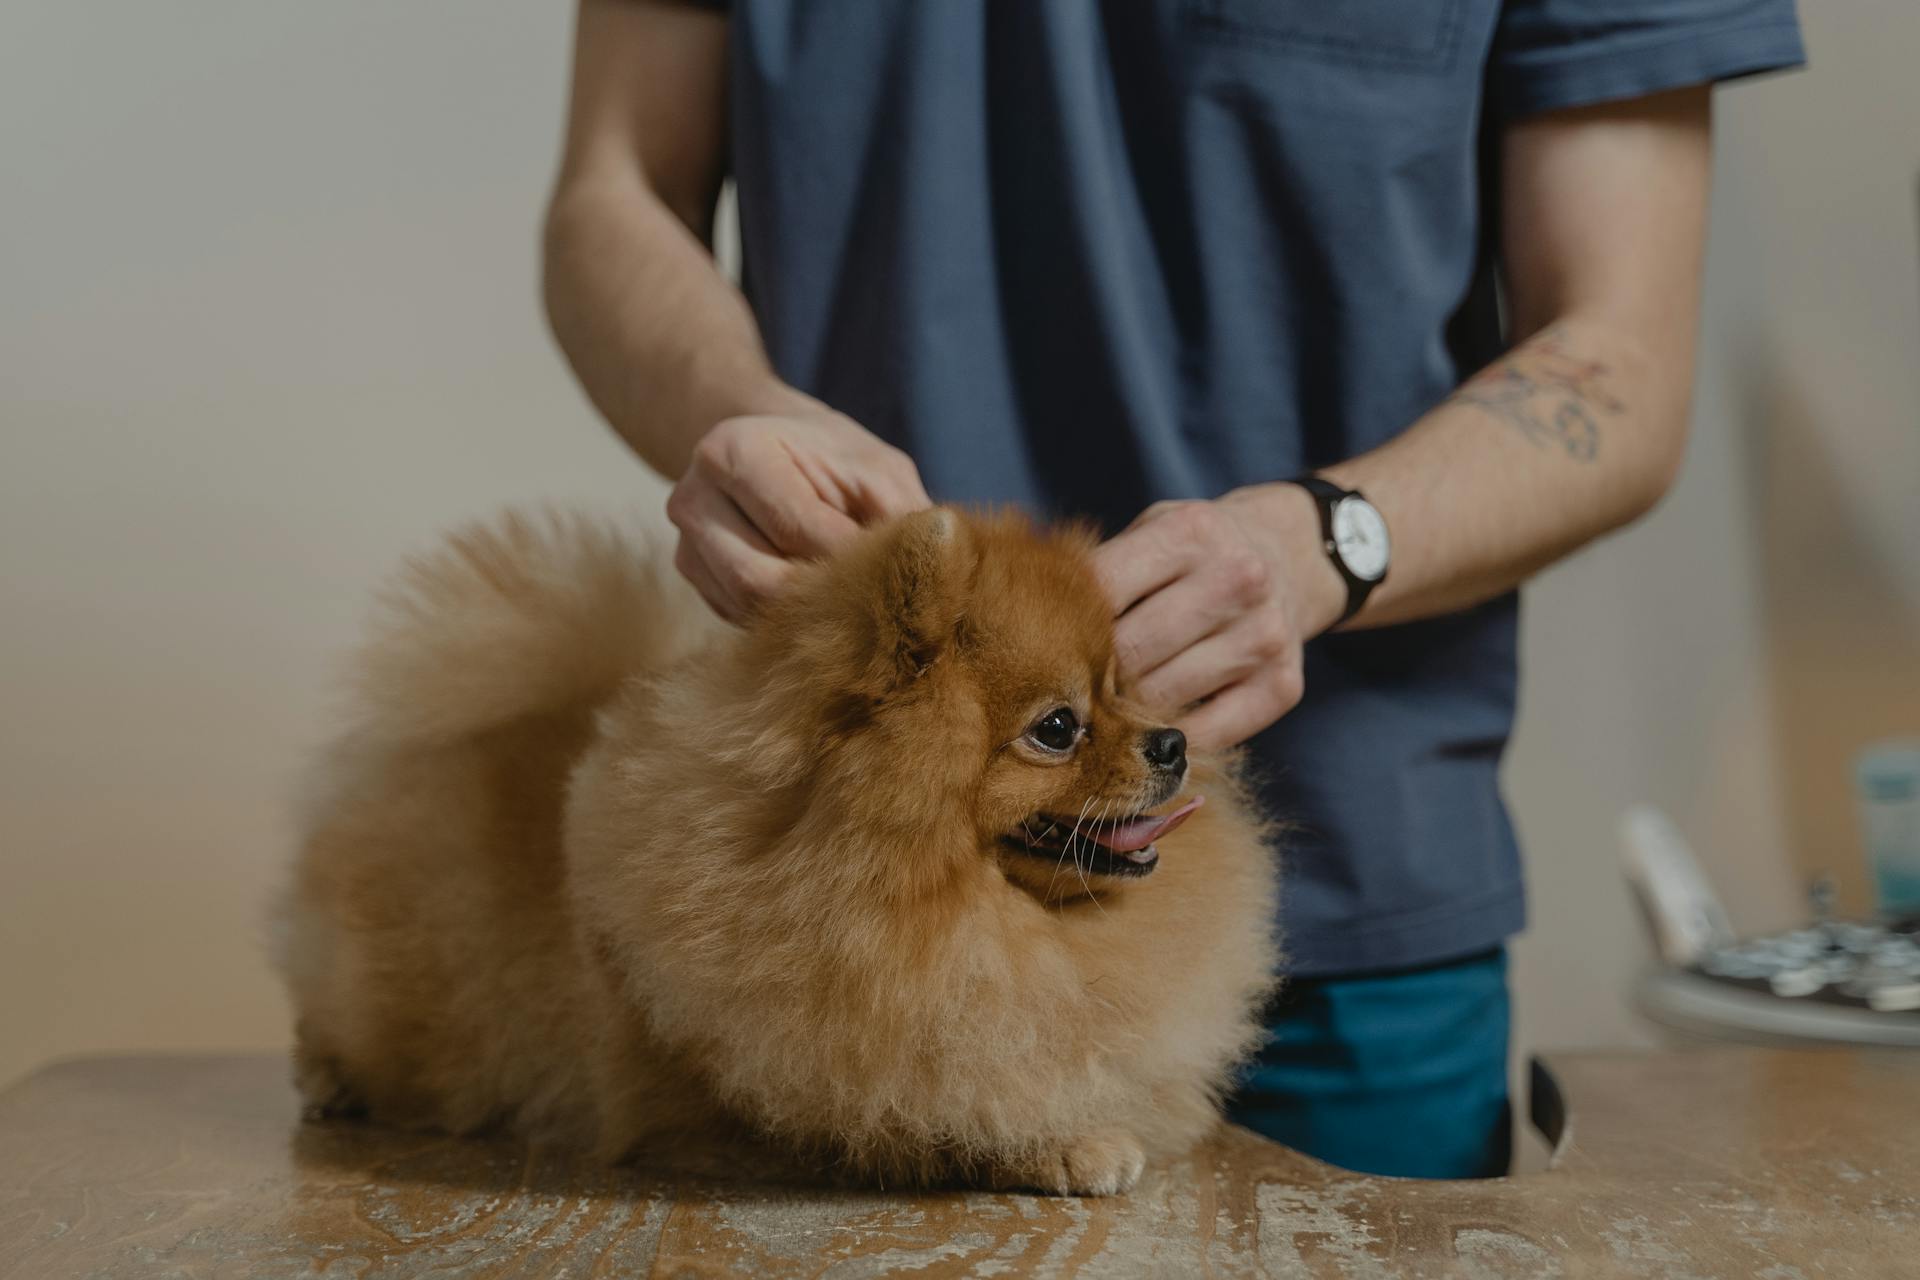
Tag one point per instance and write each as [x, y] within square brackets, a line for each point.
[591, 867]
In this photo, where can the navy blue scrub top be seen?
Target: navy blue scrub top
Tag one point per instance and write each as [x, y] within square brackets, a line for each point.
[1082, 257]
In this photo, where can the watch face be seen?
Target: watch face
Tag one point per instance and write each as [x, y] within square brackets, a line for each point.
[1360, 536]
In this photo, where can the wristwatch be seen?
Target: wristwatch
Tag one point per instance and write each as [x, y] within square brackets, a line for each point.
[1356, 538]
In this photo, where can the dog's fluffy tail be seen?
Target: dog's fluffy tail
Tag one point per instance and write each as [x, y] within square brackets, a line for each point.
[532, 612]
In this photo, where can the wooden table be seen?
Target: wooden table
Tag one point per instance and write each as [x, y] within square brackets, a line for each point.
[1737, 1163]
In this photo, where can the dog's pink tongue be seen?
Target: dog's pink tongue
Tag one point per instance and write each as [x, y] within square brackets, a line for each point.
[1136, 834]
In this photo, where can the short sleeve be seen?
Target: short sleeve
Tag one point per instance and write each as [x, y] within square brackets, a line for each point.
[1551, 54]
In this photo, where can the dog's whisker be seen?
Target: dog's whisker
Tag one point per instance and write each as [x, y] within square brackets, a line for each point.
[1083, 880]
[1104, 810]
[1081, 871]
[1055, 877]
[1072, 847]
[1065, 849]
[1073, 836]
[1061, 857]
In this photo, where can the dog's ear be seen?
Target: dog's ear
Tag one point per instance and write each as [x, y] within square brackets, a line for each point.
[924, 564]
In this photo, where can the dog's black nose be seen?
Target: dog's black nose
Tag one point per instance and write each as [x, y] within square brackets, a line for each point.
[1165, 749]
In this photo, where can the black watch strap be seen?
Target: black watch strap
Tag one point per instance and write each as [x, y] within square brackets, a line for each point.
[1326, 496]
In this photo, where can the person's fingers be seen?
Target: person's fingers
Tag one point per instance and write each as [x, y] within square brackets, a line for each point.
[695, 571]
[1226, 720]
[888, 485]
[1194, 606]
[909, 490]
[1168, 539]
[1217, 662]
[749, 574]
[1170, 621]
[1239, 711]
[784, 506]
[740, 565]
[1135, 563]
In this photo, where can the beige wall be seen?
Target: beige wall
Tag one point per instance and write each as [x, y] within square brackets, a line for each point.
[268, 318]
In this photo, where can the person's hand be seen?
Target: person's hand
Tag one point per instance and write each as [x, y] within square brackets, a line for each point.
[764, 491]
[1214, 601]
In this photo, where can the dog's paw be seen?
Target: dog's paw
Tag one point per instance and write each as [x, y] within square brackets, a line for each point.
[323, 1089]
[1103, 1164]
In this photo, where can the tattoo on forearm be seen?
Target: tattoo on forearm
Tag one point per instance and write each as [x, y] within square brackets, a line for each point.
[1556, 401]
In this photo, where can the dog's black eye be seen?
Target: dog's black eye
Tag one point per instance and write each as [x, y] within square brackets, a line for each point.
[1057, 730]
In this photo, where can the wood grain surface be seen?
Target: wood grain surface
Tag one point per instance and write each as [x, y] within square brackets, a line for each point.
[1735, 1163]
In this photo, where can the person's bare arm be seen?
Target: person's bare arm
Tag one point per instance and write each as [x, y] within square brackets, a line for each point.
[1576, 431]
[1582, 427]
[665, 346]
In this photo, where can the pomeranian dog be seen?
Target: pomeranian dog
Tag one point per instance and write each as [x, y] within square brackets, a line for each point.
[893, 882]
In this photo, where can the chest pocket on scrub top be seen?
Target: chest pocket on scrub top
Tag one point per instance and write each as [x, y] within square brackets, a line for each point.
[1406, 35]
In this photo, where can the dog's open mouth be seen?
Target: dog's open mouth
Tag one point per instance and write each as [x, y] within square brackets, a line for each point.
[1113, 847]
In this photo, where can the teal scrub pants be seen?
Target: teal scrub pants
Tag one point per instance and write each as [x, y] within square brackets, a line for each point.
[1401, 1073]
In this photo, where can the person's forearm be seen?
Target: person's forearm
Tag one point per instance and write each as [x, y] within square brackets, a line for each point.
[1571, 435]
[764, 477]
[664, 345]
[1582, 426]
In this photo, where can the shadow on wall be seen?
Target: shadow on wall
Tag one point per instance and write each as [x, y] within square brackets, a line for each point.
[1843, 640]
